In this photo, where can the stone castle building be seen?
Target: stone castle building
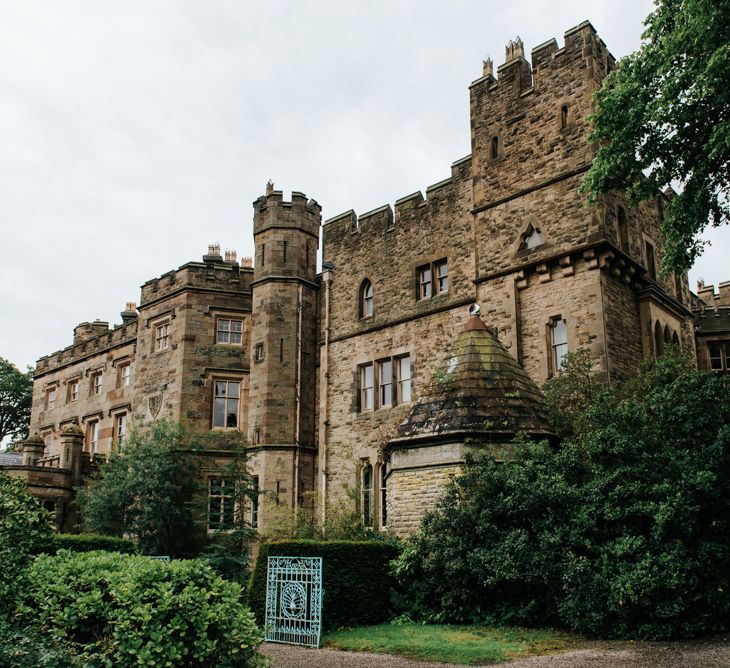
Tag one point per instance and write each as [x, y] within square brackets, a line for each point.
[372, 375]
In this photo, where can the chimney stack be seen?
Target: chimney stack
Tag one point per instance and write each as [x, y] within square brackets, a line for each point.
[129, 313]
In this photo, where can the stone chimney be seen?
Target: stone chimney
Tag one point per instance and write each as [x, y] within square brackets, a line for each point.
[231, 257]
[214, 253]
[247, 262]
[514, 49]
[129, 313]
[89, 330]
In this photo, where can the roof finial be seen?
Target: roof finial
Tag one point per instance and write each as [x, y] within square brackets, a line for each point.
[269, 187]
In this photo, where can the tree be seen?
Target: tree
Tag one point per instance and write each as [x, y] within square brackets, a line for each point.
[623, 530]
[145, 490]
[16, 397]
[663, 117]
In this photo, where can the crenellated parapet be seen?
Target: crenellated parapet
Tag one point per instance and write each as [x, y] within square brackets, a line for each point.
[271, 211]
[709, 299]
[212, 273]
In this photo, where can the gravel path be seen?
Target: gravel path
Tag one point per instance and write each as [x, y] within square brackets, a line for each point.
[710, 653]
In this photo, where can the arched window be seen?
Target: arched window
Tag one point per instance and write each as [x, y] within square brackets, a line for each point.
[495, 148]
[366, 494]
[667, 335]
[658, 339]
[675, 340]
[564, 117]
[366, 299]
[623, 229]
[558, 343]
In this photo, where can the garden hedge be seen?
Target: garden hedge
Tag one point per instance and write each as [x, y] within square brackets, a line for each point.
[120, 610]
[356, 579]
[85, 542]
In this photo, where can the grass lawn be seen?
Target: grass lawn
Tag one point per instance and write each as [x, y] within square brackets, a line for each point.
[464, 645]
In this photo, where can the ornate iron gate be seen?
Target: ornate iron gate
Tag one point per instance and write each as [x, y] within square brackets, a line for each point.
[294, 600]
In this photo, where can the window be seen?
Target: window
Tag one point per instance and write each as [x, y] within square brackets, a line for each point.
[221, 504]
[50, 398]
[226, 404]
[124, 374]
[403, 367]
[719, 356]
[92, 436]
[229, 330]
[391, 376]
[73, 390]
[531, 238]
[623, 229]
[366, 387]
[162, 336]
[495, 148]
[385, 383]
[96, 383]
[366, 299]
[120, 428]
[256, 435]
[558, 343]
[564, 116]
[258, 352]
[255, 501]
[650, 263]
[366, 494]
[433, 279]
[383, 496]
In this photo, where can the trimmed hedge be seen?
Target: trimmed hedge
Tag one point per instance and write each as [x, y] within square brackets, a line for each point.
[356, 579]
[85, 542]
[125, 611]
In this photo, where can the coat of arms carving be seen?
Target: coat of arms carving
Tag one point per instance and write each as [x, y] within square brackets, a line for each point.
[155, 403]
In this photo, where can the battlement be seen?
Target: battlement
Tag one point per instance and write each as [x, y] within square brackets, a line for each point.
[713, 299]
[386, 217]
[272, 211]
[516, 76]
[104, 339]
[214, 272]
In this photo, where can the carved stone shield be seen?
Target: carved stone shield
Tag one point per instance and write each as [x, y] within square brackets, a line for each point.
[154, 403]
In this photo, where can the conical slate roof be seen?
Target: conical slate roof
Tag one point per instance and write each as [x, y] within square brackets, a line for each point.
[480, 392]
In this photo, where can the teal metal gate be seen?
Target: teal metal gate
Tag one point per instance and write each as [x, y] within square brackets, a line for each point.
[294, 600]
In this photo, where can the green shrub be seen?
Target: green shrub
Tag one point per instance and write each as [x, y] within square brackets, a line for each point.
[123, 610]
[20, 648]
[24, 525]
[621, 531]
[356, 580]
[85, 542]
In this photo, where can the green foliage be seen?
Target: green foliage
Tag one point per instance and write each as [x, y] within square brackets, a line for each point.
[355, 574]
[661, 117]
[21, 648]
[85, 542]
[123, 610]
[568, 394]
[623, 531]
[24, 525]
[16, 397]
[145, 491]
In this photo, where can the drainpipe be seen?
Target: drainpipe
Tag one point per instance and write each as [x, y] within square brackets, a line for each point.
[327, 277]
[298, 390]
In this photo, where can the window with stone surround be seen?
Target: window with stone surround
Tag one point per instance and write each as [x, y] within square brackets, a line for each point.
[366, 494]
[162, 335]
[433, 279]
[120, 429]
[221, 504]
[51, 394]
[366, 299]
[494, 148]
[226, 403]
[383, 498]
[97, 382]
[258, 352]
[564, 117]
[229, 331]
[92, 436]
[73, 390]
[558, 330]
[254, 501]
[719, 352]
[650, 261]
[531, 238]
[391, 377]
[124, 374]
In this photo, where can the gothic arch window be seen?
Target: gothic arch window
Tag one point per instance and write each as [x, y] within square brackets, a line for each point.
[667, 335]
[366, 299]
[531, 238]
[564, 117]
[675, 340]
[658, 339]
[623, 229]
[558, 338]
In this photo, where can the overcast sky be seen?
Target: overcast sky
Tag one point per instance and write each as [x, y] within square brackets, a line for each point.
[134, 133]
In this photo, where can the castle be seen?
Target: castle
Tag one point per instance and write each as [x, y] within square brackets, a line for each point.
[338, 378]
